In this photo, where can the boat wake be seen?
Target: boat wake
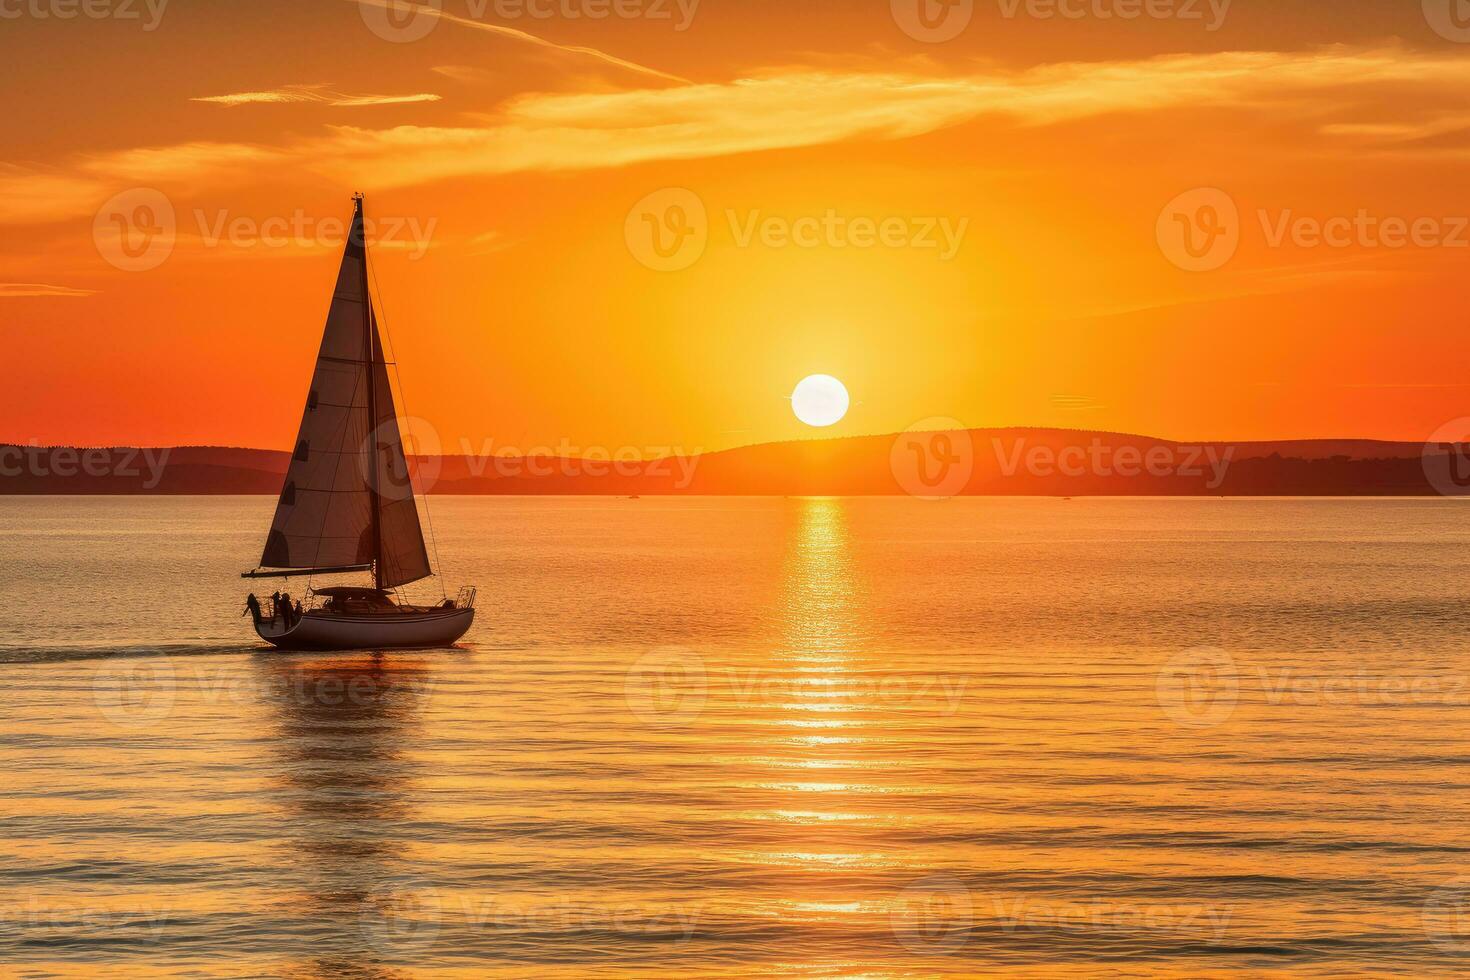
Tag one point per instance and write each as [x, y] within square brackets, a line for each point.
[48, 655]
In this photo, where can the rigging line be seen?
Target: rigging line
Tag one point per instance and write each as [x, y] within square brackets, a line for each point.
[403, 399]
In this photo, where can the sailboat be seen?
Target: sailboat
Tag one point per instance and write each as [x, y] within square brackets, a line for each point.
[347, 503]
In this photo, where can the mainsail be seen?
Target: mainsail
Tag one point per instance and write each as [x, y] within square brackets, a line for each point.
[347, 503]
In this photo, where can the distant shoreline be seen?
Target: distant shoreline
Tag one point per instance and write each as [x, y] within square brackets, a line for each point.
[973, 462]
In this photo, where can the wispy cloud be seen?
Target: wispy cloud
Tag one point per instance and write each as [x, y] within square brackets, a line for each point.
[464, 73]
[15, 290]
[528, 38]
[777, 110]
[1075, 403]
[313, 93]
[803, 108]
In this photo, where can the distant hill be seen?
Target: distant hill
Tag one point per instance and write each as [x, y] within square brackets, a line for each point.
[1016, 461]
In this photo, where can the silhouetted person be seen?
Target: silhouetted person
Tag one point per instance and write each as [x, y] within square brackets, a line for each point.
[296, 611]
[276, 604]
[286, 609]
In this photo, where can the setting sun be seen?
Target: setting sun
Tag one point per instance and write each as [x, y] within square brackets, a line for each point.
[819, 400]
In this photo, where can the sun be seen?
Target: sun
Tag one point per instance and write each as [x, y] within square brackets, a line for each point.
[819, 400]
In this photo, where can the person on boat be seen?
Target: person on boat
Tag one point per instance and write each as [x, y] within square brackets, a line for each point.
[275, 604]
[252, 606]
[296, 611]
[286, 609]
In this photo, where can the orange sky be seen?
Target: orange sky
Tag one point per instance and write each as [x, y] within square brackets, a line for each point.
[518, 145]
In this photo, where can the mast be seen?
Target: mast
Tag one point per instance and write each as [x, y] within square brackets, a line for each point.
[370, 346]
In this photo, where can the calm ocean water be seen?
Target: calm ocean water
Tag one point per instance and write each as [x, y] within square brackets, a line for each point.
[718, 737]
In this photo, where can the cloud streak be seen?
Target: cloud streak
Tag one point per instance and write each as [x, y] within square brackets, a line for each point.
[780, 110]
[16, 290]
[289, 94]
[528, 38]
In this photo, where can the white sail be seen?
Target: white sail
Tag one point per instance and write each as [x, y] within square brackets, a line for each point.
[347, 501]
[401, 557]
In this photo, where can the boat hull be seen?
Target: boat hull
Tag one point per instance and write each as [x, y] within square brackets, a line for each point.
[325, 631]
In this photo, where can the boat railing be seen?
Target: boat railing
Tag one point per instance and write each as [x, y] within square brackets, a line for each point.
[466, 597]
